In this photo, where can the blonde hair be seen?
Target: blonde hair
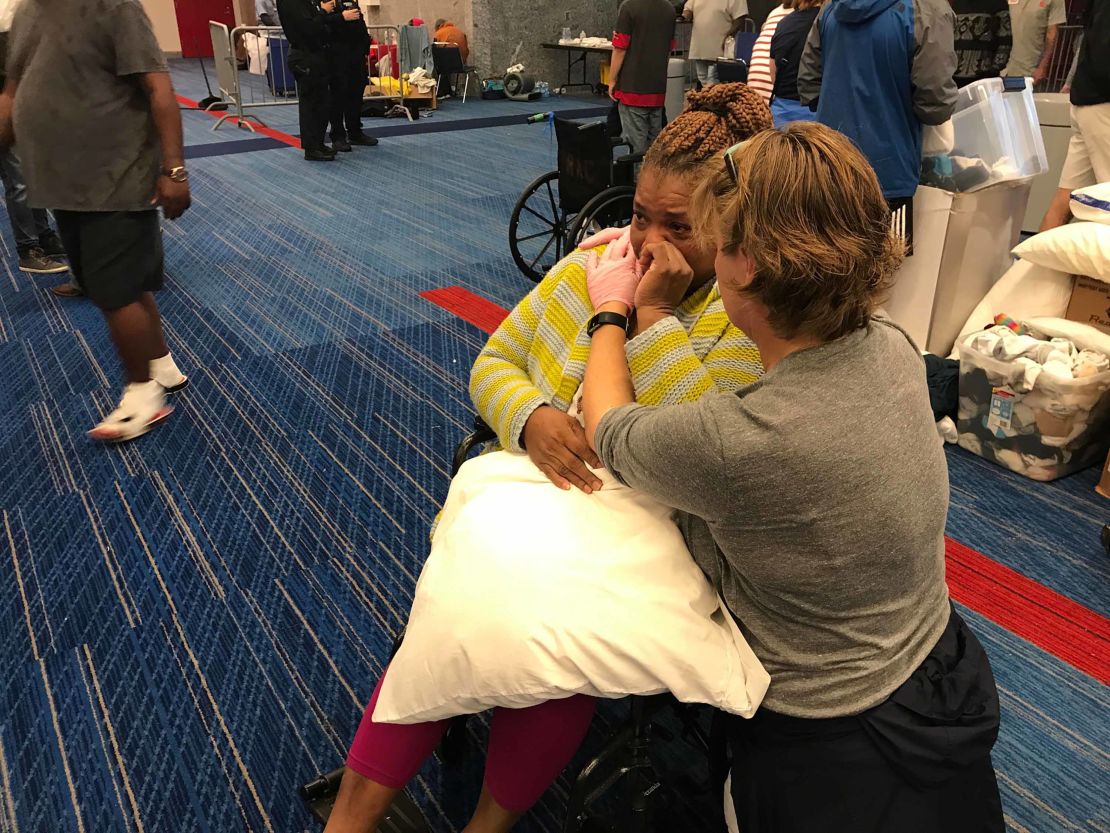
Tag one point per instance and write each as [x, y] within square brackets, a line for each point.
[809, 213]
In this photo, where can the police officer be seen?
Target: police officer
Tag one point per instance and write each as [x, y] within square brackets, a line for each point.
[308, 26]
[350, 44]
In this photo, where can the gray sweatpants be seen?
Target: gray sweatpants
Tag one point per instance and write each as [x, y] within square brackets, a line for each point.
[640, 125]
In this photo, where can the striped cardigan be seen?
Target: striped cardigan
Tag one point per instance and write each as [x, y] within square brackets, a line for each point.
[538, 354]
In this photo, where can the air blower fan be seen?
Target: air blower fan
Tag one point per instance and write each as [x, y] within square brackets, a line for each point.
[521, 87]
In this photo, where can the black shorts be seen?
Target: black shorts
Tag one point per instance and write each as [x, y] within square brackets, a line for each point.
[115, 256]
[917, 763]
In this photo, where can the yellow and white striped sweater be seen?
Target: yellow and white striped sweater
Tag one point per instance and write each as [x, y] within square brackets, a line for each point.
[538, 354]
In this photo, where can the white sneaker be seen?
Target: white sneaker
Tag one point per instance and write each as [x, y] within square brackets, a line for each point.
[165, 372]
[142, 406]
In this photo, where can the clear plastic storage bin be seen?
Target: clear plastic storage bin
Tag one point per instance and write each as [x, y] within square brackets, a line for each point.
[996, 123]
[1058, 427]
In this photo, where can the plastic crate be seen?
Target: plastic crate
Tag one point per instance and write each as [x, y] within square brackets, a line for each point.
[996, 122]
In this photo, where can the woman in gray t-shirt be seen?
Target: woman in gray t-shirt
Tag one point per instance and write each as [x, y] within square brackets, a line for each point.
[815, 500]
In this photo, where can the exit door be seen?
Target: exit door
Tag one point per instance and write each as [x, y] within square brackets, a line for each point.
[192, 24]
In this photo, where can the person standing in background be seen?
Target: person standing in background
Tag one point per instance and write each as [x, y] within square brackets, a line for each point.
[350, 44]
[306, 24]
[902, 53]
[642, 44]
[983, 39]
[36, 242]
[267, 12]
[787, 46]
[1088, 161]
[760, 70]
[1035, 25]
[714, 20]
[90, 103]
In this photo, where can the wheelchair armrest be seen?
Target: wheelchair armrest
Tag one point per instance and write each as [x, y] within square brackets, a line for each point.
[630, 158]
[481, 434]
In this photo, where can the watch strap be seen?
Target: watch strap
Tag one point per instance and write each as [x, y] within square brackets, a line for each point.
[604, 318]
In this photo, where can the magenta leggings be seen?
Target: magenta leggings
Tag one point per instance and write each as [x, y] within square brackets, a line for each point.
[528, 748]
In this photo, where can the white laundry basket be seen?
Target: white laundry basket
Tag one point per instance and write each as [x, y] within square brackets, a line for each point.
[1058, 427]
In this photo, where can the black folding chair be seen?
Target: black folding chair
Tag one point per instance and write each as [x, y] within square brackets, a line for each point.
[449, 64]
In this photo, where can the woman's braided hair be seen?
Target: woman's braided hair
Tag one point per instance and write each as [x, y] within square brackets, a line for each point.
[713, 120]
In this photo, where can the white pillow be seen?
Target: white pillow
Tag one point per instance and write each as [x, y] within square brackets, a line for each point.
[1092, 203]
[533, 594]
[1076, 248]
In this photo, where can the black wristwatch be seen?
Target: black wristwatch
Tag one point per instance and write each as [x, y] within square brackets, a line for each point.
[603, 318]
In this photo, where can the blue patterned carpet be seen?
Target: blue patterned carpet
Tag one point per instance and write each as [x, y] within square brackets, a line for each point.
[193, 622]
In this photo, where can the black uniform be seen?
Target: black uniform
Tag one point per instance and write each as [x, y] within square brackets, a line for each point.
[349, 75]
[309, 31]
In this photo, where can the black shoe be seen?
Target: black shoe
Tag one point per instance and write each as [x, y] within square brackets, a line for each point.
[36, 262]
[363, 139]
[51, 245]
[321, 154]
[341, 145]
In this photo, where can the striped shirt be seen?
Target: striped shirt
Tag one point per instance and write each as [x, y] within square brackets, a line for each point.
[538, 354]
[759, 73]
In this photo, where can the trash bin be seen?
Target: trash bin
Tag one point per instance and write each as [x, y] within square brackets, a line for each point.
[968, 212]
[676, 87]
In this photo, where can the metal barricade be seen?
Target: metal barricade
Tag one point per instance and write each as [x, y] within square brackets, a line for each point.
[386, 49]
[1063, 57]
[275, 87]
[392, 86]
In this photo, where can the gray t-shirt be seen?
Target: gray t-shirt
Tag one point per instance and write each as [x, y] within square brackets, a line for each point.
[815, 500]
[1029, 21]
[82, 120]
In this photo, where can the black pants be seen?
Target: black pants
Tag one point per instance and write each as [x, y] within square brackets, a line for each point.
[311, 69]
[348, 84]
[917, 763]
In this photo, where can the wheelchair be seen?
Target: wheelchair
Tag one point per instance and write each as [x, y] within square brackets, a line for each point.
[592, 189]
[620, 789]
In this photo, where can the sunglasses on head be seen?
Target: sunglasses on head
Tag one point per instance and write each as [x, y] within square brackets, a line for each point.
[730, 163]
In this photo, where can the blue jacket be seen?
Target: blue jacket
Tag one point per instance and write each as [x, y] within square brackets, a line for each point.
[878, 70]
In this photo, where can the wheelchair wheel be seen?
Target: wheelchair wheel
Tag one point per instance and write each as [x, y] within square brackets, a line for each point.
[611, 208]
[538, 228]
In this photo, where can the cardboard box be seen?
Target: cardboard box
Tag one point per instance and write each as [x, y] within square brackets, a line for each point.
[1090, 303]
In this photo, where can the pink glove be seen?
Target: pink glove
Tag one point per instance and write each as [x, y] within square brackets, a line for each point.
[602, 238]
[614, 275]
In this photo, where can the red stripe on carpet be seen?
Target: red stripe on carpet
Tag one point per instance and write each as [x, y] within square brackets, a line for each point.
[1026, 608]
[474, 309]
[285, 138]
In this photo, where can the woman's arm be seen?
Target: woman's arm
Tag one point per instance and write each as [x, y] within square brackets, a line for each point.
[608, 383]
[665, 366]
[500, 387]
[673, 453]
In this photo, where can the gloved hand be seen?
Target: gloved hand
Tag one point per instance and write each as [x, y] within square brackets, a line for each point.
[602, 238]
[614, 275]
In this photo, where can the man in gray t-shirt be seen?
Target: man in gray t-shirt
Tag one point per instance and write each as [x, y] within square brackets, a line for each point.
[1035, 25]
[91, 108]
